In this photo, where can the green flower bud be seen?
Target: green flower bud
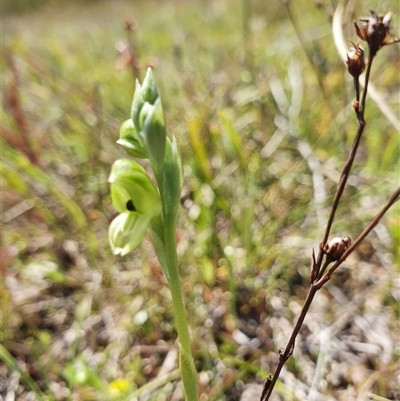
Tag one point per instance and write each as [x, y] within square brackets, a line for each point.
[149, 88]
[137, 105]
[145, 111]
[148, 120]
[172, 179]
[145, 95]
[128, 138]
[155, 136]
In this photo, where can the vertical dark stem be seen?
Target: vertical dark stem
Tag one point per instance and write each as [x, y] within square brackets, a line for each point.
[318, 279]
[349, 163]
[284, 356]
[357, 88]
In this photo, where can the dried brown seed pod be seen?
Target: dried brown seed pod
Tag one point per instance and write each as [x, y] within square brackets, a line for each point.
[335, 248]
[355, 60]
[376, 31]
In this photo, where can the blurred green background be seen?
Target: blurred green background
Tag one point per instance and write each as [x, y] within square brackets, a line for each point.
[260, 103]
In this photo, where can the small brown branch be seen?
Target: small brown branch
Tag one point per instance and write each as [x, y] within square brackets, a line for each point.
[130, 27]
[395, 197]
[13, 101]
[357, 89]
[314, 287]
[284, 356]
[349, 163]
[344, 246]
[17, 142]
[360, 115]
[14, 140]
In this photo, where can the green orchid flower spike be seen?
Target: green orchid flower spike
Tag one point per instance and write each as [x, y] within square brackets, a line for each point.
[144, 206]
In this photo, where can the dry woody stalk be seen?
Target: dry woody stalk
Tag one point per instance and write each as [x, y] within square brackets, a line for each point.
[375, 31]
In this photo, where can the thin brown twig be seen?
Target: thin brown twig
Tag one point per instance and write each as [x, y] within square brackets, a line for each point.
[318, 275]
[13, 101]
[284, 356]
[314, 287]
[347, 167]
[15, 140]
[395, 197]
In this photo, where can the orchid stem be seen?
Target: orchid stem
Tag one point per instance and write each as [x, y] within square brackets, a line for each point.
[186, 363]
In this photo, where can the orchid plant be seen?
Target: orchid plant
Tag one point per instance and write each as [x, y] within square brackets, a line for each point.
[145, 206]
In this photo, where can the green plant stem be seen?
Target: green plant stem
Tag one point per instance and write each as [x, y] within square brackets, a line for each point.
[154, 384]
[186, 363]
[12, 364]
